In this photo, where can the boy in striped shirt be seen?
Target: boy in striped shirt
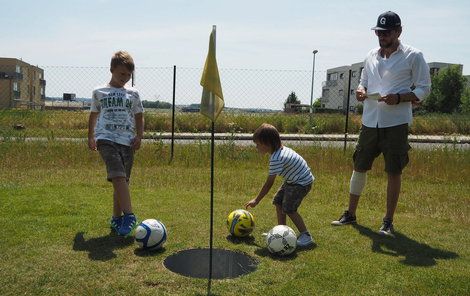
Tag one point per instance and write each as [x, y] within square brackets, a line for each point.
[298, 180]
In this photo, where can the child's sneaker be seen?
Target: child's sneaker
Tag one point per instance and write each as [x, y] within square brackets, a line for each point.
[115, 223]
[304, 240]
[129, 222]
[345, 219]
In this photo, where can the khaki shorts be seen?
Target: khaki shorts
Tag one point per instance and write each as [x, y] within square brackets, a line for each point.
[392, 142]
[118, 159]
[290, 196]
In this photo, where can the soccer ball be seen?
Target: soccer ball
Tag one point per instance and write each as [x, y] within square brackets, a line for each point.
[150, 234]
[281, 240]
[240, 223]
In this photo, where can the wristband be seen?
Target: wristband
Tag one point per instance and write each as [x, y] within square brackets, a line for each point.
[399, 98]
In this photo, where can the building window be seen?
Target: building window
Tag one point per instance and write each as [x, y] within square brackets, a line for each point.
[354, 73]
[15, 86]
[341, 75]
[326, 92]
[340, 92]
[332, 76]
[352, 92]
[18, 69]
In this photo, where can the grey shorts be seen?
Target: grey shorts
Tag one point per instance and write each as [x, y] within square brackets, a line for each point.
[118, 159]
[391, 141]
[290, 196]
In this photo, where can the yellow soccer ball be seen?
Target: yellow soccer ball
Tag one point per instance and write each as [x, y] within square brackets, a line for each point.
[240, 223]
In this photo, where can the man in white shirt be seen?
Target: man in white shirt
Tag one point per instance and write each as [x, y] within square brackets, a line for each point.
[395, 77]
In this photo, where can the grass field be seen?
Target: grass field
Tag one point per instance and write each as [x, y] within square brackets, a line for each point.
[55, 240]
[53, 124]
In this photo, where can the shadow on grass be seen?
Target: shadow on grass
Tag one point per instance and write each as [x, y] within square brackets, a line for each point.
[248, 240]
[148, 252]
[415, 253]
[101, 248]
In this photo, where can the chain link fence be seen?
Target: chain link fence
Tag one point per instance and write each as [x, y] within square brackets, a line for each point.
[252, 96]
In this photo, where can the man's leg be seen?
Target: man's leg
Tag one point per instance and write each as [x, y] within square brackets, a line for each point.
[393, 192]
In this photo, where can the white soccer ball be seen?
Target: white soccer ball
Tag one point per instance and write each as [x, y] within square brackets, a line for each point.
[150, 234]
[281, 240]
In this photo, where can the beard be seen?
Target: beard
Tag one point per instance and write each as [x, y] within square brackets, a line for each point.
[384, 44]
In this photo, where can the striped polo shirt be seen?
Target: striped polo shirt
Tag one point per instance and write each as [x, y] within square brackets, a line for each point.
[286, 163]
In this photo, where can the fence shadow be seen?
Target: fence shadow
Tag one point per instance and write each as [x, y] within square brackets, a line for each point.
[101, 248]
[414, 253]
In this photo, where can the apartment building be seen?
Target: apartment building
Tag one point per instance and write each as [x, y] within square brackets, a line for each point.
[335, 88]
[21, 85]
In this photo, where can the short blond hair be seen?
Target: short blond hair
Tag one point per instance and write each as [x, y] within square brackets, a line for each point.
[267, 134]
[122, 58]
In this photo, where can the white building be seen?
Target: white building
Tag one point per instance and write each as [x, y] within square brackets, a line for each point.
[335, 89]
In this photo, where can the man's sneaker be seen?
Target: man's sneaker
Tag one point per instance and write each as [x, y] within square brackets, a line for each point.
[115, 223]
[345, 219]
[304, 240]
[129, 222]
[387, 228]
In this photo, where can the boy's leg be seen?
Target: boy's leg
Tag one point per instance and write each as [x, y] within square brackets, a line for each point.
[121, 190]
[117, 211]
[281, 216]
[298, 221]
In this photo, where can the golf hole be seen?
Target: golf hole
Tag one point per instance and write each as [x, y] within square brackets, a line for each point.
[225, 264]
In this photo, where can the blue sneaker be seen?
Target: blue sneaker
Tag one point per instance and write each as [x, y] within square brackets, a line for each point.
[129, 222]
[115, 223]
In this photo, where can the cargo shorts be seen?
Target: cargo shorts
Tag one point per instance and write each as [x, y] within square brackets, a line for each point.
[118, 159]
[392, 142]
[289, 196]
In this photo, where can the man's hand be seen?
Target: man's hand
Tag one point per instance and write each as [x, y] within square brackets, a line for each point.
[361, 94]
[390, 99]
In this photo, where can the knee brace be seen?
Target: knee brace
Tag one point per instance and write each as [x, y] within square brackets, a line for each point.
[358, 181]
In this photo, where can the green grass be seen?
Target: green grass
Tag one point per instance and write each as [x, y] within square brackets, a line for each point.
[53, 124]
[55, 205]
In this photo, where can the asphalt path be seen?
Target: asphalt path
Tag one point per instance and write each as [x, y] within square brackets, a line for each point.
[326, 140]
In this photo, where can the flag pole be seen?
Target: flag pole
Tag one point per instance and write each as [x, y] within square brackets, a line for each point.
[212, 187]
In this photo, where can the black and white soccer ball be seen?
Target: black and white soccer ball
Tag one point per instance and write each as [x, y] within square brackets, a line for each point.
[281, 240]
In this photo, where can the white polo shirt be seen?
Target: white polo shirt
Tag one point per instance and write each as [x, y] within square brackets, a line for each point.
[404, 69]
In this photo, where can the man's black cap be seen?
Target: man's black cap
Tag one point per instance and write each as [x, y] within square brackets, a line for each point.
[387, 21]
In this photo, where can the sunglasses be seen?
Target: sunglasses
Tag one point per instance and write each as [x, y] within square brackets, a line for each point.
[384, 33]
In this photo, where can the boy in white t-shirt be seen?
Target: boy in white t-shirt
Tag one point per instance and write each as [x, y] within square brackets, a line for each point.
[298, 180]
[115, 129]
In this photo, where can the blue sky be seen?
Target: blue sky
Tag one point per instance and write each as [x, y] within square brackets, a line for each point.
[250, 34]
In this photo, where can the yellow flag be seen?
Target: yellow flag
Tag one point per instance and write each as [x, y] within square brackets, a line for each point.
[212, 101]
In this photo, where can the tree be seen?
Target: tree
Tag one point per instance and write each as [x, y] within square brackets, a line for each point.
[465, 100]
[156, 104]
[291, 99]
[447, 87]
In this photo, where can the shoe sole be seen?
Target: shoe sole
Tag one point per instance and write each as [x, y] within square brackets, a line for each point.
[384, 233]
[306, 245]
[337, 223]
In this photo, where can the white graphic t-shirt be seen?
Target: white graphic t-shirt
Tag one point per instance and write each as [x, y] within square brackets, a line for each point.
[117, 107]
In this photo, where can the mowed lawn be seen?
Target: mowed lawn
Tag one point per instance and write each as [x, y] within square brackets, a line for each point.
[55, 240]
